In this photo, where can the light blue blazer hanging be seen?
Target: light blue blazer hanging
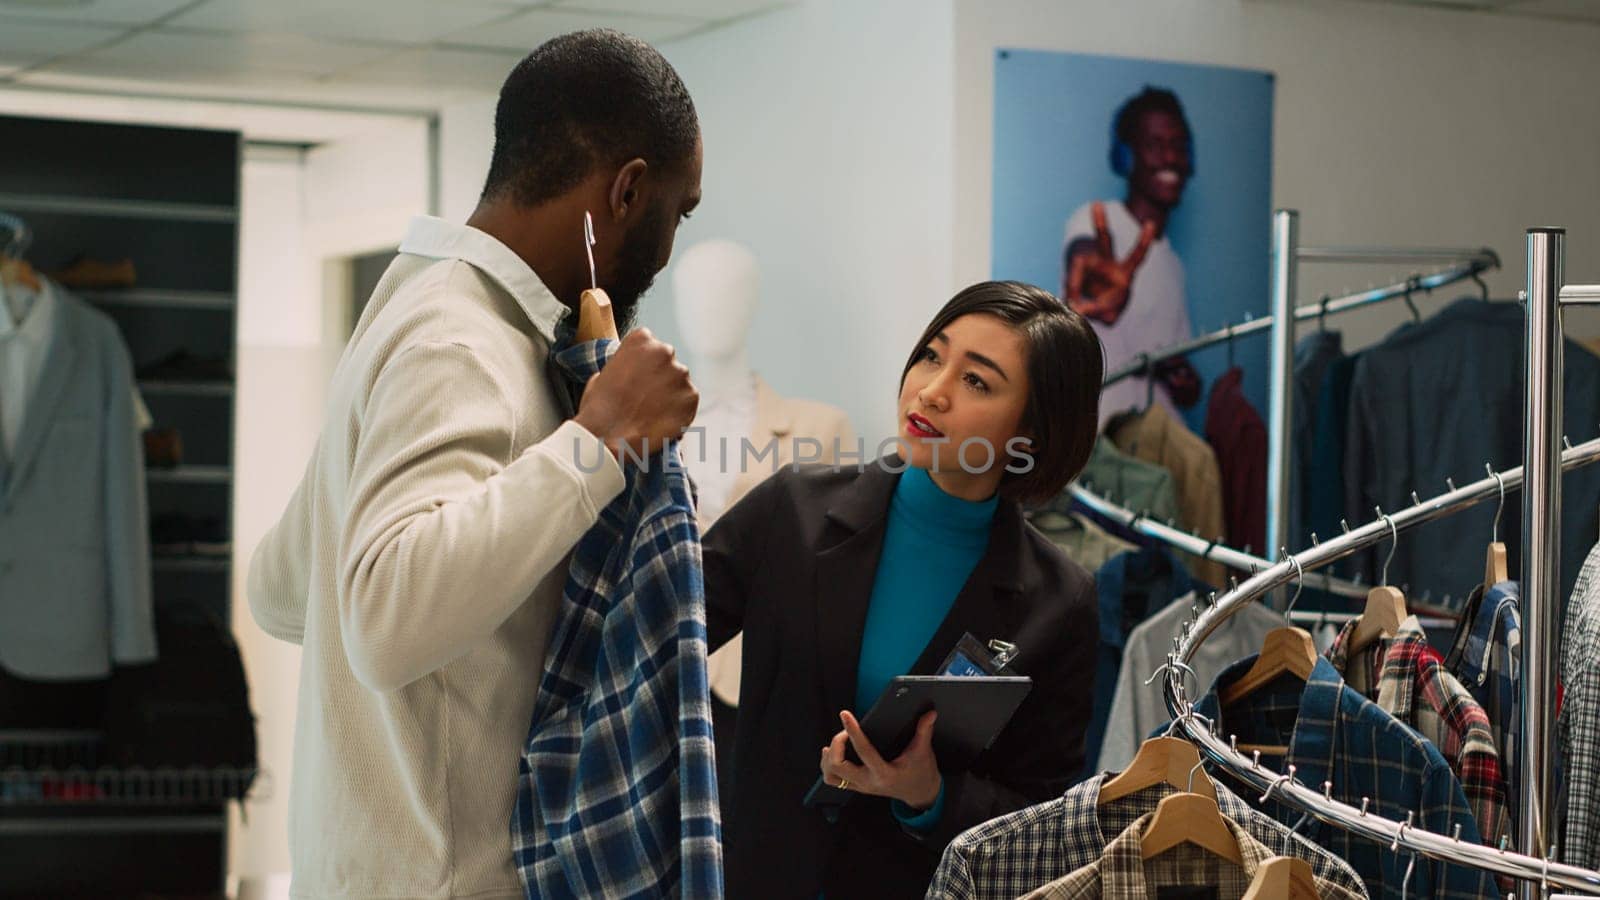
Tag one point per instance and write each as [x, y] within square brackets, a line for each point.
[74, 552]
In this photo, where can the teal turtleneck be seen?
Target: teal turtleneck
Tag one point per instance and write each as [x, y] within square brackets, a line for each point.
[933, 542]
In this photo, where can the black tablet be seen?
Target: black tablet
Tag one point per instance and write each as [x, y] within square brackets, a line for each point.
[972, 712]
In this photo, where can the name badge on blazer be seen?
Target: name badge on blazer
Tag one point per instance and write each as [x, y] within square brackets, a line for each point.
[971, 659]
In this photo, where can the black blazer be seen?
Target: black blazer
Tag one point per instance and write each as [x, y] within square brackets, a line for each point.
[792, 564]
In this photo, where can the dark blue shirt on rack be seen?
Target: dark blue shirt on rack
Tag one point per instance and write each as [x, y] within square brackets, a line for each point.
[1335, 734]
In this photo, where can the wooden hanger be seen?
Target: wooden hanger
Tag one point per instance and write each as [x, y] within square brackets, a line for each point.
[1386, 606]
[1287, 650]
[1494, 568]
[1386, 609]
[595, 320]
[1284, 651]
[1162, 760]
[1194, 819]
[1283, 878]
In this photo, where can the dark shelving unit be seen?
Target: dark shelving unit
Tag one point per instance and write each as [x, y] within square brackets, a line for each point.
[167, 198]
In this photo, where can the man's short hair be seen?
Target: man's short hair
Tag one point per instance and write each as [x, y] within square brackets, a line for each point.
[1151, 99]
[582, 100]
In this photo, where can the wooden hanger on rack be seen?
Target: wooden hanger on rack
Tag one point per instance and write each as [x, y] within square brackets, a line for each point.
[1194, 819]
[1286, 650]
[1283, 878]
[1386, 606]
[1495, 569]
[1191, 815]
[1160, 760]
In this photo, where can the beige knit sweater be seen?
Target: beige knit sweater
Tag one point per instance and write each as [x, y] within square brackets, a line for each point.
[420, 563]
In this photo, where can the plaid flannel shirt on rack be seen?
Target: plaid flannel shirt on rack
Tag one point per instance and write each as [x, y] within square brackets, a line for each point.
[1007, 857]
[1122, 872]
[1336, 735]
[1578, 726]
[617, 792]
[1485, 657]
[1408, 680]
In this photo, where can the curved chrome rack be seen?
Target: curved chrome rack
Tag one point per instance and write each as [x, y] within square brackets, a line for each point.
[1320, 805]
[1173, 536]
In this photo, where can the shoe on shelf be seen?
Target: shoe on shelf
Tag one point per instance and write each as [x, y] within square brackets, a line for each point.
[94, 274]
[163, 448]
[210, 537]
[181, 365]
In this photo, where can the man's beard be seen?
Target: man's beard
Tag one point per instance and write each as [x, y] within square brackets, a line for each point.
[636, 269]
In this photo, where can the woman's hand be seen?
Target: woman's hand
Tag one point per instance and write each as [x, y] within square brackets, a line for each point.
[913, 778]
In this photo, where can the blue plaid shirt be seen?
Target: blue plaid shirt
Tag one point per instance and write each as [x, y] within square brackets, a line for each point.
[1484, 657]
[617, 793]
[1335, 734]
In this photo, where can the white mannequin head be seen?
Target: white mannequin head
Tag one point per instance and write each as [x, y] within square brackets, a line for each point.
[715, 287]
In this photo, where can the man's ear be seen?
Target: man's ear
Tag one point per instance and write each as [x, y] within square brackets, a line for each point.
[624, 194]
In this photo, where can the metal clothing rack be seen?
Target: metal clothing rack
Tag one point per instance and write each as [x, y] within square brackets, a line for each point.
[1478, 262]
[1543, 463]
[1286, 255]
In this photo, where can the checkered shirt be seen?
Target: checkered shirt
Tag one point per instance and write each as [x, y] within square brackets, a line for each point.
[1122, 873]
[617, 792]
[1007, 857]
[1486, 658]
[1413, 685]
[1336, 735]
[1578, 726]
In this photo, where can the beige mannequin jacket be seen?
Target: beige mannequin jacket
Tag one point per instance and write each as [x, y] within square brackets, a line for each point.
[784, 420]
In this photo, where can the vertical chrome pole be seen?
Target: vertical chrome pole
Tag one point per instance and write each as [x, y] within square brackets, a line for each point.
[1280, 390]
[1541, 535]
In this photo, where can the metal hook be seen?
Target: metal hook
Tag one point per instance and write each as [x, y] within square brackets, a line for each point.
[1197, 767]
[1289, 776]
[1147, 371]
[588, 247]
[1412, 284]
[1173, 663]
[1494, 535]
[1299, 582]
[1405, 883]
[1322, 313]
[1477, 279]
[1394, 544]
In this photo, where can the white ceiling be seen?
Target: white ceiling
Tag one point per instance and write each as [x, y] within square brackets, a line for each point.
[404, 53]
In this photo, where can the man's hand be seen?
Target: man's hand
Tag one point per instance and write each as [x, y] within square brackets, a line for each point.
[1097, 283]
[641, 399]
[913, 778]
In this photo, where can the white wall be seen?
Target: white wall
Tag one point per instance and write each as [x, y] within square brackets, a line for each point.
[1395, 125]
[828, 136]
[300, 214]
[466, 140]
[280, 376]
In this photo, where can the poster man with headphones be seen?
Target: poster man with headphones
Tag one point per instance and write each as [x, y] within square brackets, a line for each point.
[1118, 267]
